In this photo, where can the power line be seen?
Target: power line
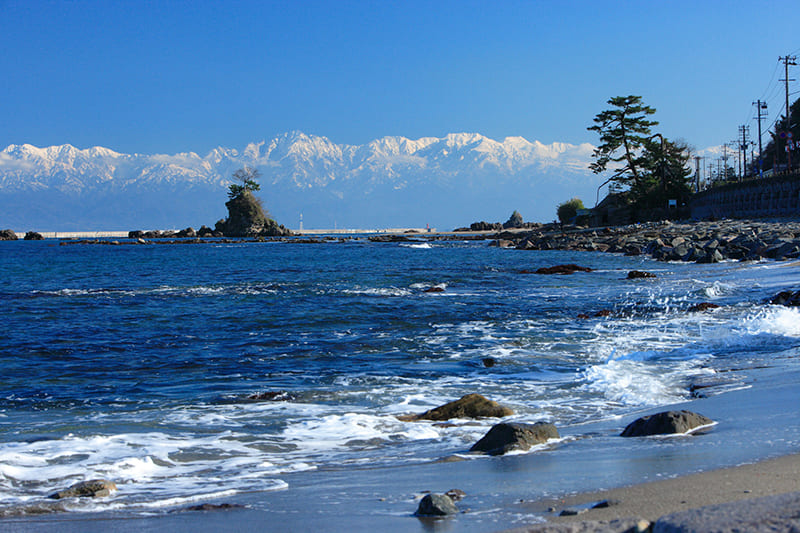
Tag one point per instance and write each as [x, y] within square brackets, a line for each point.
[774, 73]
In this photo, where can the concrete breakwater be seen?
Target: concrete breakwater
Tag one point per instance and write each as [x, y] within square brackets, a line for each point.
[125, 234]
[768, 197]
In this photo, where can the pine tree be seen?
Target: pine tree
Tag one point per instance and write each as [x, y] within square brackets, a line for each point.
[624, 130]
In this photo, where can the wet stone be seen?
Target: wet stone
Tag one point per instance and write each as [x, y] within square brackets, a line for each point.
[95, 488]
[436, 505]
[665, 423]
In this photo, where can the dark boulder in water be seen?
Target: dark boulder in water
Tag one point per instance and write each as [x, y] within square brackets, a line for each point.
[95, 488]
[787, 298]
[213, 507]
[33, 236]
[563, 269]
[666, 423]
[703, 306]
[271, 396]
[639, 274]
[8, 235]
[469, 406]
[435, 288]
[436, 505]
[510, 436]
[455, 494]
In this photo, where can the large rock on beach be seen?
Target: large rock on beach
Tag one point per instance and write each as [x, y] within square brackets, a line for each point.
[514, 436]
[436, 505]
[8, 235]
[469, 406]
[95, 488]
[666, 423]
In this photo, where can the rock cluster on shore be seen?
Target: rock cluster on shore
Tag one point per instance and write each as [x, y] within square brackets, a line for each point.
[701, 242]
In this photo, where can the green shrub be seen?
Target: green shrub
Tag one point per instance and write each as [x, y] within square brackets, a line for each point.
[568, 210]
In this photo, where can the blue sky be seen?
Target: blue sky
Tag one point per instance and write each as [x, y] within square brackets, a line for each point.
[166, 77]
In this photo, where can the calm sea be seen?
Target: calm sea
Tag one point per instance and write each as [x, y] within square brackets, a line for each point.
[136, 363]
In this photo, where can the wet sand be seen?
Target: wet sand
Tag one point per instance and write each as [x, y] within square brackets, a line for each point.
[650, 501]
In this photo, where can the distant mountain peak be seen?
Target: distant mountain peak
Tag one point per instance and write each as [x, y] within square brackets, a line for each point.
[391, 176]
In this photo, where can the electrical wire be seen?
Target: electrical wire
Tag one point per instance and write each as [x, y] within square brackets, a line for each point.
[772, 79]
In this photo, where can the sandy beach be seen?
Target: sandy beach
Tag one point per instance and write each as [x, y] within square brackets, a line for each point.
[650, 501]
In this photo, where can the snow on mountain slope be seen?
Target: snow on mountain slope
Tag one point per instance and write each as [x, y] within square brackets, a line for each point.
[391, 179]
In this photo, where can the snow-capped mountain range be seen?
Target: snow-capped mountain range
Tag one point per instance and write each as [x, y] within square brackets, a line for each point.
[389, 182]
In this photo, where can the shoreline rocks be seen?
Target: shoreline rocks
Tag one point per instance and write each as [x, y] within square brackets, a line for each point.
[699, 242]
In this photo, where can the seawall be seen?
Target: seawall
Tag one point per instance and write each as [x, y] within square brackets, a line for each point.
[776, 196]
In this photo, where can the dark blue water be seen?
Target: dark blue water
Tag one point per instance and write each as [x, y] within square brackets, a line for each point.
[136, 363]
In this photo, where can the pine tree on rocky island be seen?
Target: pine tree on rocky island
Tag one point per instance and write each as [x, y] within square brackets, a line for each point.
[246, 214]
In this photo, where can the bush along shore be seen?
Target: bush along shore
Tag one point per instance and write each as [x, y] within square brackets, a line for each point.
[700, 242]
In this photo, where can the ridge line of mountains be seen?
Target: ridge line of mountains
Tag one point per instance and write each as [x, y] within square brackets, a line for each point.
[389, 182]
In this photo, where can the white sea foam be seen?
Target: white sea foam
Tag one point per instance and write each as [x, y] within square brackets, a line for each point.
[776, 320]
[144, 466]
[185, 500]
[378, 291]
[334, 431]
[715, 289]
[634, 383]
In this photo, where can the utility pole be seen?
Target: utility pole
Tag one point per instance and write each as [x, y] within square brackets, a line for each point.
[788, 60]
[737, 171]
[697, 160]
[761, 107]
[745, 131]
[725, 160]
